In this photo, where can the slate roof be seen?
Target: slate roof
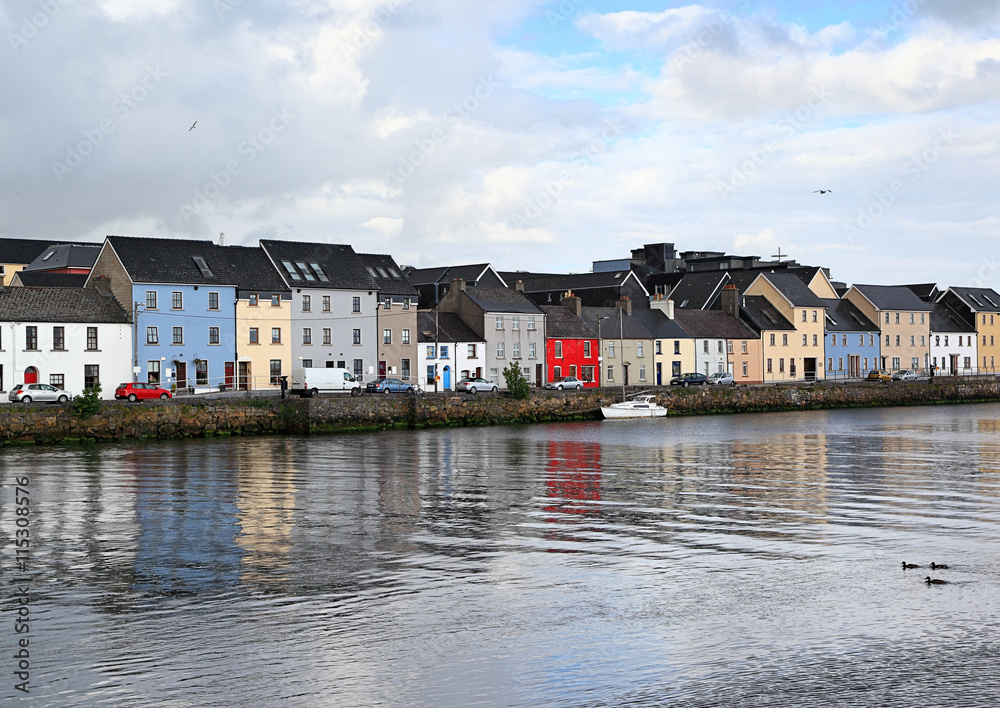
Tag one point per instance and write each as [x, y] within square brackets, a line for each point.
[712, 324]
[893, 297]
[928, 292]
[658, 324]
[393, 282]
[979, 299]
[562, 323]
[166, 260]
[609, 327]
[535, 282]
[502, 300]
[844, 316]
[66, 255]
[445, 274]
[23, 250]
[763, 315]
[794, 289]
[44, 279]
[945, 319]
[30, 304]
[252, 270]
[448, 327]
[341, 265]
[697, 291]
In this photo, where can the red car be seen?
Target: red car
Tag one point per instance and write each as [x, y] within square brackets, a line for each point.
[140, 391]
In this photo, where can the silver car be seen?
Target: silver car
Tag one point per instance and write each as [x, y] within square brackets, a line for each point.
[722, 378]
[26, 393]
[906, 375]
[565, 382]
[475, 385]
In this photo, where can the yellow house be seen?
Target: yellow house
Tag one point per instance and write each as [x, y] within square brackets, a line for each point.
[263, 321]
[904, 321]
[980, 307]
[800, 351]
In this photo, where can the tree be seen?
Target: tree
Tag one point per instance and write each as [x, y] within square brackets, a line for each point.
[517, 385]
[89, 402]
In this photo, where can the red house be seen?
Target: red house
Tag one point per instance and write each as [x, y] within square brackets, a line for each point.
[571, 345]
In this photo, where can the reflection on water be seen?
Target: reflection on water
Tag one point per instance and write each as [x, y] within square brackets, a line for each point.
[738, 560]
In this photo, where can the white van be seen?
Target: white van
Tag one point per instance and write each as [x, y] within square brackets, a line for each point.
[309, 382]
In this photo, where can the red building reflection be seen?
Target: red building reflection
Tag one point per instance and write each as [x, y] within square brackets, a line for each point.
[573, 483]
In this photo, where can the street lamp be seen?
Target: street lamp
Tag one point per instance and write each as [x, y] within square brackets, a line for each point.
[600, 348]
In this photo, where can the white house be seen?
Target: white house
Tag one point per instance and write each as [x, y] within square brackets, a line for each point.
[448, 350]
[953, 342]
[70, 338]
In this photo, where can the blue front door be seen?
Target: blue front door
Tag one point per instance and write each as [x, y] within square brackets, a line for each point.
[447, 378]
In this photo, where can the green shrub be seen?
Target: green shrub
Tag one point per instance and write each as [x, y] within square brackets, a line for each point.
[517, 385]
[89, 402]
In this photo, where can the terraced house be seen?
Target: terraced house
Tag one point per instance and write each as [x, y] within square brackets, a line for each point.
[903, 320]
[806, 312]
[980, 307]
[396, 316]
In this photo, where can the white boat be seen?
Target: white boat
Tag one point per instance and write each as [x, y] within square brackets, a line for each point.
[638, 407]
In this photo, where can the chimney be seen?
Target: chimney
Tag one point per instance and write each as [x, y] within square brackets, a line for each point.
[573, 302]
[626, 305]
[519, 286]
[730, 300]
[458, 284]
[666, 306]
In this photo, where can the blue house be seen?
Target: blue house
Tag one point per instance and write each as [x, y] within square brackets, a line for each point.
[181, 295]
[853, 344]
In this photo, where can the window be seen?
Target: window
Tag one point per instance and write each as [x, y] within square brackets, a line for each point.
[744, 369]
[275, 370]
[897, 340]
[829, 364]
[922, 318]
[254, 299]
[359, 368]
[176, 300]
[31, 337]
[937, 340]
[840, 363]
[499, 350]
[386, 336]
[406, 306]
[515, 323]
[887, 318]
[677, 345]
[307, 335]
[861, 340]
[387, 303]
[153, 372]
[814, 315]
[356, 334]
[833, 340]
[307, 363]
[431, 351]
[803, 315]
[897, 318]
[201, 372]
[781, 365]
[405, 336]
[276, 335]
[499, 321]
[895, 362]
[516, 350]
[915, 363]
[887, 340]
[638, 349]
[531, 350]
[611, 349]
[816, 340]
[913, 342]
[150, 299]
[177, 335]
[356, 304]
[307, 303]
[642, 372]
[843, 339]
[276, 300]
[152, 336]
[404, 369]
[784, 340]
[59, 338]
[430, 374]
[743, 347]
[213, 301]
[769, 368]
[558, 349]
[771, 340]
[587, 373]
[720, 347]
[611, 373]
[586, 349]
[659, 349]
[531, 322]
[805, 339]
[326, 303]
[871, 340]
[705, 346]
[327, 335]
[92, 375]
[254, 335]
[471, 351]
[495, 375]
[556, 373]
[58, 381]
[443, 351]
[911, 318]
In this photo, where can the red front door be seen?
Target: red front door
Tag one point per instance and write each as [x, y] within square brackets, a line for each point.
[230, 370]
[381, 369]
[31, 375]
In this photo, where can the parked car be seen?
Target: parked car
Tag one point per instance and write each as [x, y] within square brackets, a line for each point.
[905, 375]
[136, 391]
[392, 386]
[26, 393]
[879, 375]
[722, 378]
[690, 379]
[474, 385]
[565, 382]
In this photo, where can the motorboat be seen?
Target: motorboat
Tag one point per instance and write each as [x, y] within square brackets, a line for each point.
[638, 407]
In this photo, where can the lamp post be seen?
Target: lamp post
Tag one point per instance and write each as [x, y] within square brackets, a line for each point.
[600, 349]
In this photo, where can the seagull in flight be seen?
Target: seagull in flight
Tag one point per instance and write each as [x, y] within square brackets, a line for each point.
[818, 191]
[192, 126]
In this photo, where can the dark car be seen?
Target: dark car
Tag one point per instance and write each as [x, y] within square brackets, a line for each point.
[474, 385]
[136, 391]
[391, 386]
[691, 379]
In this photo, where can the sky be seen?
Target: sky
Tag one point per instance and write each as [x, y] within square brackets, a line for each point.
[532, 135]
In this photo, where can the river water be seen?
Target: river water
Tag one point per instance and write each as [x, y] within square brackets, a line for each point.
[737, 560]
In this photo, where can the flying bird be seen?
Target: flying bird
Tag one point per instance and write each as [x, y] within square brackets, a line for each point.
[818, 191]
[192, 126]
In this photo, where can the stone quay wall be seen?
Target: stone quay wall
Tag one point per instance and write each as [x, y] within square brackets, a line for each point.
[34, 424]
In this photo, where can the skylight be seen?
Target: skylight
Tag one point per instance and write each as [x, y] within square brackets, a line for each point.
[975, 299]
[371, 271]
[381, 271]
[294, 274]
[395, 274]
[319, 271]
[831, 320]
[202, 266]
[51, 252]
[305, 271]
[989, 300]
[769, 317]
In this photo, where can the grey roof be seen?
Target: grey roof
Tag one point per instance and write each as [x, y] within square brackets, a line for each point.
[979, 299]
[763, 315]
[893, 297]
[928, 292]
[844, 316]
[534, 282]
[30, 304]
[714, 324]
[697, 291]
[23, 250]
[502, 300]
[251, 269]
[562, 323]
[612, 323]
[945, 319]
[45, 279]
[444, 327]
[166, 260]
[387, 275]
[339, 263]
[658, 325]
[445, 274]
[794, 289]
[66, 255]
